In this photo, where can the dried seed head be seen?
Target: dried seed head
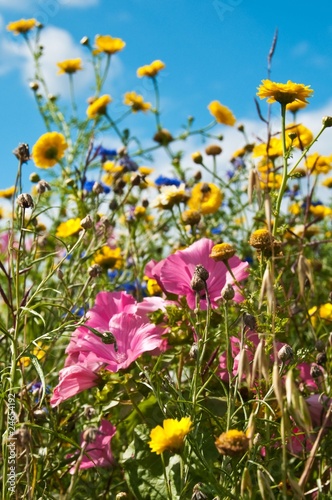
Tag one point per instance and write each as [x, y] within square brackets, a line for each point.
[191, 217]
[97, 188]
[163, 137]
[222, 252]
[25, 200]
[193, 351]
[315, 371]
[43, 186]
[22, 152]
[197, 493]
[87, 222]
[285, 353]
[321, 358]
[90, 434]
[232, 443]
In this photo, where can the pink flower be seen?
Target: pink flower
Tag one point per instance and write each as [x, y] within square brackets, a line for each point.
[72, 380]
[318, 404]
[250, 345]
[174, 274]
[133, 335]
[98, 452]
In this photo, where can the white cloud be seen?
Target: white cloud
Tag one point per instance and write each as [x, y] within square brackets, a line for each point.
[58, 45]
[48, 7]
[78, 3]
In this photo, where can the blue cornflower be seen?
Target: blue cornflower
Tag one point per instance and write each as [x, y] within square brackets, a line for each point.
[88, 185]
[128, 163]
[167, 181]
[106, 154]
[217, 229]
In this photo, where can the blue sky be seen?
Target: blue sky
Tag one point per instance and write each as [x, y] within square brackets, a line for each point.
[212, 50]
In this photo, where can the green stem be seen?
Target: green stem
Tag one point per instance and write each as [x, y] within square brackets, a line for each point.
[284, 172]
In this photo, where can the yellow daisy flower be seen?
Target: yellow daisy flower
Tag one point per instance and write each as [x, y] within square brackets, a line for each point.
[151, 70]
[295, 209]
[296, 106]
[318, 164]
[145, 170]
[303, 138]
[69, 66]
[22, 26]
[327, 182]
[170, 436]
[205, 197]
[108, 44]
[284, 93]
[108, 258]
[69, 228]
[270, 180]
[39, 352]
[7, 193]
[136, 102]
[320, 211]
[221, 113]
[49, 149]
[232, 443]
[98, 106]
[273, 149]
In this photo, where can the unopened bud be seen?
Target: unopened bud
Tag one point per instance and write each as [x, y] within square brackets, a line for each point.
[315, 371]
[227, 292]
[320, 345]
[34, 86]
[285, 353]
[34, 177]
[201, 272]
[85, 41]
[213, 150]
[95, 270]
[59, 274]
[97, 188]
[197, 157]
[25, 200]
[249, 320]
[197, 284]
[321, 358]
[327, 121]
[135, 180]
[193, 351]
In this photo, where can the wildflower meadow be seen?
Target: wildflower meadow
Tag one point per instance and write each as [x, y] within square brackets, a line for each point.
[165, 336]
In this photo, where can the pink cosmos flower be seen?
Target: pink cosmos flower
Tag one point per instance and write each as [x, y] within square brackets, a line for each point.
[73, 380]
[98, 452]
[174, 274]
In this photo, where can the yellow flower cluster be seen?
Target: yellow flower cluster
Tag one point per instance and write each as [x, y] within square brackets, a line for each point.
[22, 26]
[151, 70]
[205, 197]
[136, 102]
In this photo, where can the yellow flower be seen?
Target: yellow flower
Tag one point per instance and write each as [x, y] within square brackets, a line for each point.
[170, 196]
[150, 70]
[111, 167]
[261, 239]
[273, 149]
[295, 106]
[22, 26]
[49, 149]
[232, 443]
[295, 209]
[170, 436]
[7, 193]
[136, 102]
[205, 197]
[145, 170]
[39, 352]
[222, 252]
[270, 180]
[108, 258]
[152, 286]
[327, 182]
[221, 113]
[69, 228]
[303, 138]
[284, 93]
[98, 106]
[69, 66]
[320, 211]
[324, 312]
[318, 164]
[108, 44]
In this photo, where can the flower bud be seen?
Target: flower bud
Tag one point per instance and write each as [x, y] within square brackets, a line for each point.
[95, 270]
[227, 293]
[213, 150]
[249, 320]
[285, 353]
[90, 434]
[191, 217]
[163, 136]
[327, 121]
[85, 41]
[197, 284]
[34, 177]
[97, 188]
[25, 200]
[197, 157]
[34, 86]
[321, 358]
[201, 272]
[315, 371]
